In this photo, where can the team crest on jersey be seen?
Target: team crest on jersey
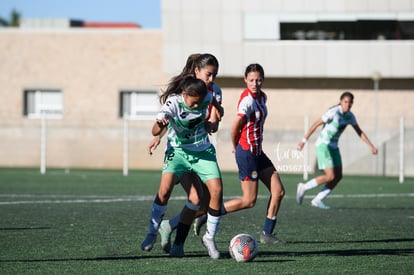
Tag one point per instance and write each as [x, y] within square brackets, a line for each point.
[254, 175]
[183, 115]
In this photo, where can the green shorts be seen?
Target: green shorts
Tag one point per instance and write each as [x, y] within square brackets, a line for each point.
[328, 157]
[204, 163]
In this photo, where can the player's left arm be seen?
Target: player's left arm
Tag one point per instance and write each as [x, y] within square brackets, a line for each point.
[219, 110]
[364, 137]
[214, 121]
[155, 141]
[162, 118]
[159, 125]
[215, 116]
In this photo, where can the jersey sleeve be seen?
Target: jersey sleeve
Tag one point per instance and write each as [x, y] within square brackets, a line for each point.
[244, 107]
[166, 111]
[353, 120]
[217, 93]
[329, 115]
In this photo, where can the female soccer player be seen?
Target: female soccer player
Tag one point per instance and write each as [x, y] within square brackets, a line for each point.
[334, 122]
[252, 162]
[205, 70]
[185, 117]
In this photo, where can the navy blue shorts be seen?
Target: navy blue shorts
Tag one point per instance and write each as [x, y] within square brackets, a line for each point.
[250, 165]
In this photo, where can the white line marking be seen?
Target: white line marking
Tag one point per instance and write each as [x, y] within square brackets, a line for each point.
[61, 199]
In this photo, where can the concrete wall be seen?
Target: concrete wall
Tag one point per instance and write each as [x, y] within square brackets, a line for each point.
[91, 67]
[222, 28]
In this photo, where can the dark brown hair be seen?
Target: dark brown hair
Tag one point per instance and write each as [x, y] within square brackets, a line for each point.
[254, 68]
[193, 61]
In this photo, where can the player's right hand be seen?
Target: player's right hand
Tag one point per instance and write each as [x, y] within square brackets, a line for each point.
[300, 146]
[153, 145]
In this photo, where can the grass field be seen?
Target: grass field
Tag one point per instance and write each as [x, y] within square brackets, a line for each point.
[92, 222]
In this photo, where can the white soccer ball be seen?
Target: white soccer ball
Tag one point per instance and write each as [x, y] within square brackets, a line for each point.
[243, 248]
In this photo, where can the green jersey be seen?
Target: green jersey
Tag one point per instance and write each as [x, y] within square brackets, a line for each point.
[186, 127]
[335, 123]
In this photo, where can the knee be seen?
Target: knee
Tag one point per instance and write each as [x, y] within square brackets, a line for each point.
[194, 199]
[282, 193]
[279, 194]
[329, 177]
[216, 196]
[332, 184]
[250, 203]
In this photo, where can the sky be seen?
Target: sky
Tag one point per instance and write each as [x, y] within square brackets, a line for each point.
[144, 12]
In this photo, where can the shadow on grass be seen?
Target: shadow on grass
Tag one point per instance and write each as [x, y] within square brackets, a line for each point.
[262, 253]
[86, 259]
[371, 208]
[345, 252]
[338, 253]
[22, 228]
[130, 258]
[258, 259]
[357, 241]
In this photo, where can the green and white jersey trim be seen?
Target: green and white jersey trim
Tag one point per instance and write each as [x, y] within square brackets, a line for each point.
[335, 123]
[186, 128]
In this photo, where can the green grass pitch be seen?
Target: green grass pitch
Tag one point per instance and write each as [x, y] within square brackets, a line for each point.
[92, 222]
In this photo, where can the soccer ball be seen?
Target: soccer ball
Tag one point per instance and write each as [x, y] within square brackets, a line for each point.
[243, 248]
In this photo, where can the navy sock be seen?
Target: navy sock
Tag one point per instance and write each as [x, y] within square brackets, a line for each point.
[182, 233]
[269, 225]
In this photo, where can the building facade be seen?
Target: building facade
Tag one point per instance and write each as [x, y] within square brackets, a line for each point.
[76, 97]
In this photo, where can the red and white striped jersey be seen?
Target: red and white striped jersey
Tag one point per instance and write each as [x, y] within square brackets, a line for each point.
[253, 107]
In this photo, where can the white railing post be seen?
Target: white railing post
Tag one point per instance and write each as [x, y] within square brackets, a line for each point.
[126, 140]
[43, 144]
[376, 77]
[306, 151]
[402, 133]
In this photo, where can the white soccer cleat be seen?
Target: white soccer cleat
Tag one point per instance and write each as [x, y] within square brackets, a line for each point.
[319, 204]
[300, 193]
[210, 244]
[165, 233]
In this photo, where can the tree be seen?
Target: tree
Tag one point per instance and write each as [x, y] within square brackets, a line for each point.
[14, 20]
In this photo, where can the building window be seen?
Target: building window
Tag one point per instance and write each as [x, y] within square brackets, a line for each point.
[140, 105]
[353, 30]
[39, 103]
[297, 26]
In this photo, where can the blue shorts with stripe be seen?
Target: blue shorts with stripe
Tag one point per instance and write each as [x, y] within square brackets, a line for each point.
[250, 165]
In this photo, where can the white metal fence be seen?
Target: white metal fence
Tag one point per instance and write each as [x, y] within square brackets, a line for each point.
[122, 145]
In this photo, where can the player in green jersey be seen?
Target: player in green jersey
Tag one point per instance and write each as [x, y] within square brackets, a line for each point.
[188, 149]
[334, 122]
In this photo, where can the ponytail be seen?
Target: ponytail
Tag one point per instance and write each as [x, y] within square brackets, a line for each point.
[196, 60]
